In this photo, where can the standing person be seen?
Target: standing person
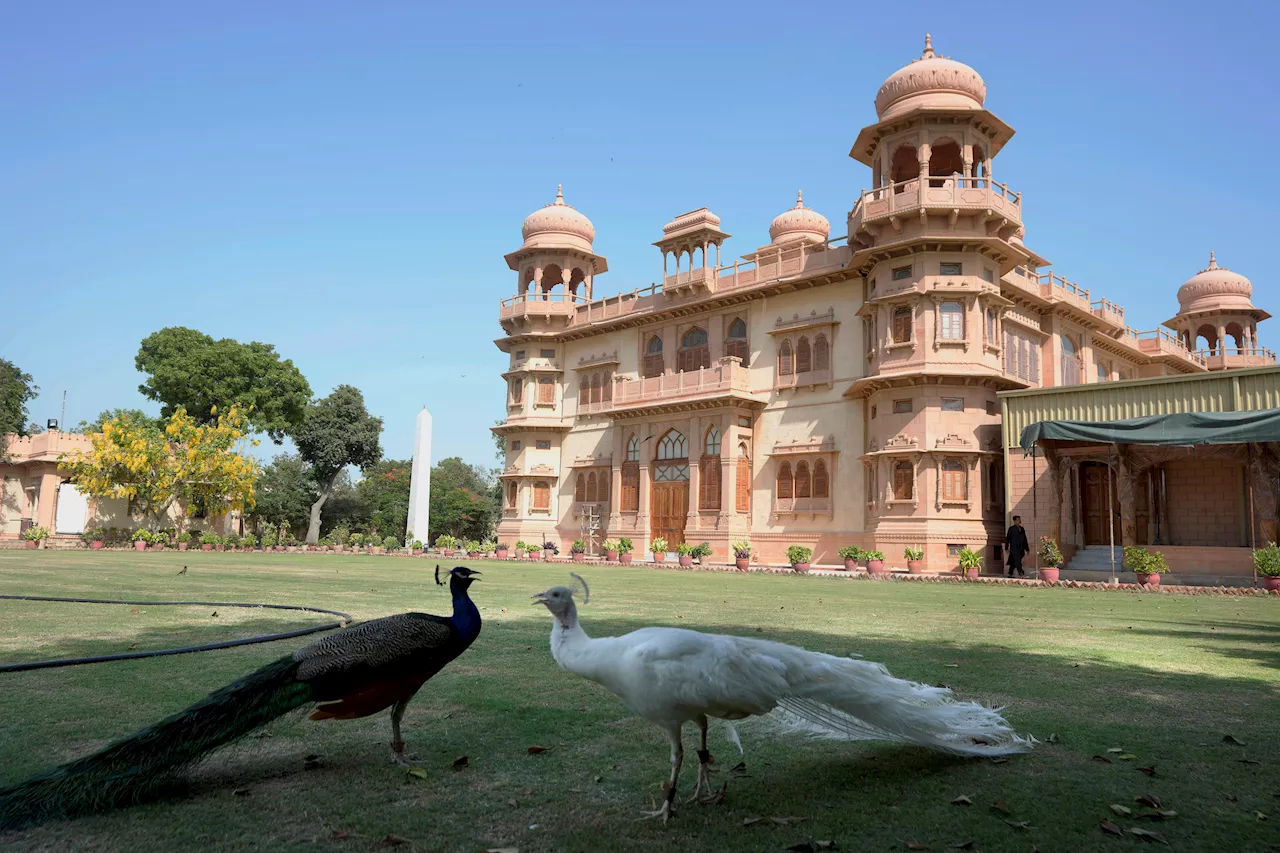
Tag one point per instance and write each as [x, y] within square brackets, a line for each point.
[1015, 542]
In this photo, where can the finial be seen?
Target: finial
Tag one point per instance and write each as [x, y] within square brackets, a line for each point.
[1213, 262]
[559, 193]
[928, 47]
[799, 198]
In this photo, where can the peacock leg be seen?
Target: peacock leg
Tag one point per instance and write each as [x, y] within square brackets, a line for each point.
[669, 787]
[704, 758]
[397, 742]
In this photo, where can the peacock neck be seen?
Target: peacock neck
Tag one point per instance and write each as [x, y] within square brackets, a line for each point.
[466, 617]
[568, 640]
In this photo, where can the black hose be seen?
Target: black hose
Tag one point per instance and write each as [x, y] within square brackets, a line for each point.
[229, 644]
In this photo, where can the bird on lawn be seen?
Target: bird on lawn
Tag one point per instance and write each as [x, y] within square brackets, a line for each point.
[356, 672]
[671, 676]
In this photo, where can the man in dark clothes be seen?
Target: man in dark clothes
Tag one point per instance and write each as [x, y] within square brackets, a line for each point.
[1015, 541]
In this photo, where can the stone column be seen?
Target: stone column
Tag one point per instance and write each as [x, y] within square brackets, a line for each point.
[614, 524]
[1087, 371]
[1125, 477]
[642, 516]
[695, 474]
[729, 470]
[1222, 339]
[1053, 475]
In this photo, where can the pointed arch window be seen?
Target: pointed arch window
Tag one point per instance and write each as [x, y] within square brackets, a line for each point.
[517, 391]
[804, 356]
[631, 477]
[735, 342]
[784, 481]
[606, 386]
[821, 482]
[673, 445]
[580, 488]
[695, 351]
[904, 480]
[595, 388]
[712, 442]
[511, 495]
[802, 482]
[709, 479]
[653, 365]
[1070, 362]
[593, 487]
[743, 497]
[786, 361]
[584, 391]
[821, 353]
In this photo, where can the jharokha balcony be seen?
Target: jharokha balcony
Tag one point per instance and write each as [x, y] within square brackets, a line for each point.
[1229, 357]
[942, 195]
[725, 381]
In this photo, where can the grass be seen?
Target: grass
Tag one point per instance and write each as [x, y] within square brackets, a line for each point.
[1162, 677]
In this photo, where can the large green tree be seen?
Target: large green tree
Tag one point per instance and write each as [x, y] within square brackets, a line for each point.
[16, 390]
[190, 370]
[383, 495]
[465, 500]
[336, 431]
[285, 491]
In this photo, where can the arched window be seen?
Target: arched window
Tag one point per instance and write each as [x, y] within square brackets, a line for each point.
[1235, 332]
[821, 483]
[804, 357]
[786, 363]
[606, 386]
[952, 321]
[1209, 335]
[743, 498]
[905, 164]
[904, 481]
[995, 482]
[580, 488]
[576, 277]
[551, 276]
[1070, 362]
[821, 353]
[992, 339]
[595, 388]
[633, 450]
[542, 495]
[902, 323]
[802, 480]
[584, 391]
[695, 353]
[709, 479]
[713, 441]
[784, 480]
[653, 357]
[631, 477]
[735, 342]
[511, 495]
[955, 485]
[944, 161]
[593, 487]
[673, 445]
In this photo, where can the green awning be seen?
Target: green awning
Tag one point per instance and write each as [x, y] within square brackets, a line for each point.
[1186, 428]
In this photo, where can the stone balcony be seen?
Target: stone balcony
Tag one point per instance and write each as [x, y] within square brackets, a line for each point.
[1229, 357]
[545, 307]
[1159, 342]
[942, 195]
[727, 381]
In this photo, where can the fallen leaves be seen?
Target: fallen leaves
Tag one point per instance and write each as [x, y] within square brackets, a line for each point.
[1147, 835]
[1249, 761]
[1019, 824]
[1150, 771]
[132, 646]
[1115, 749]
[1108, 826]
[1232, 739]
[739, 769]
[962, 800]
[963, 845]
[417, 772]
[1102, 759]
[780, 821]
[999, 806]
[811, 846]
[340, 835]
[1053, 738]
[1260, 815]
[1166, 814]
[1150, 800]
[460, 762]
[1123, 811]
[538, 750]
[915, 845]
[240, 792]
[394, 840]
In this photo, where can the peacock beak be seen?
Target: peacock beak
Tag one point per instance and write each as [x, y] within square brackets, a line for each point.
[540, 598]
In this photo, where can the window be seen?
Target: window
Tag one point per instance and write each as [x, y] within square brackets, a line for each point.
[1022, 356]
[954, 550]
[901, 407]
[709, 481]
[804, 356]
[595, 388]
[673, 445]
[992, 339]
[606, 384]
[904, 480]
[546, 391]
[786, 362]
[517, 391]
[1070, 362]
[744, 421]
[953, 404]
[993, 408]
[653, 357]
[517, 444]
[520, 355]
[995, 483]
[736, 341]
[821, 482]
[713, 442]
[584, 391]
[873, 413]
[821, 353]
[955, 486]
[1104, 373]
[802, 489]
[511, 495]
[695, 353]
[784, 480]
[949, 269]
[542, 495]
[743, 498]
[899, 273]
[543, 444]
[593, 487]
[580, 488]
[633, 450]
[547, 353]
[988, 275]
[952, 321]
[631, 477]
[902, 325]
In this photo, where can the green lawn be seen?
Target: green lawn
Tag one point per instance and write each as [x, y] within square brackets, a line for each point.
[1164, 678]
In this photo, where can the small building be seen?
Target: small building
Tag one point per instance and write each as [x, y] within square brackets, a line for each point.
[1185, 465]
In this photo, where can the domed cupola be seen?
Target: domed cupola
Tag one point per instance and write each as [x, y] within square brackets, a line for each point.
[930, 81]
[1215, 288]
[799, 225]
[558, 226]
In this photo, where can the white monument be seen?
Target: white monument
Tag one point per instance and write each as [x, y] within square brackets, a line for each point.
[419, 526]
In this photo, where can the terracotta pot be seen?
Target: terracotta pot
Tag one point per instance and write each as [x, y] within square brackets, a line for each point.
[206, 546]
[417, 552]
[273, 547]
[473, 555]
[876, 567]
[182, 546]
[625, 559]
[1049, 574]
[138, 546]
[32, 543]
[1271, 584]
[155, 546]
[337, 549]
[742, 565]
[1145, 579]
[915, 567]
[686, 559]
[800, 567]
[519, 555]
[850, 565]
[580, 558]
[547, 555]
[971, 574]
[96, 544]
[611, 556]
[501, 553]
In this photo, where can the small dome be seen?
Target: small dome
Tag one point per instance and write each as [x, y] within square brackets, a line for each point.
[558, 226]
[799, 225]
[930, 81]
[1215, 288]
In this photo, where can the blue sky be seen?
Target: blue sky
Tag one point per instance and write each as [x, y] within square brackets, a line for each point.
[342, 180]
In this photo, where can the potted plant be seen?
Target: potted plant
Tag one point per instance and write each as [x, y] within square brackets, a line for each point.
[851, 554]
[488, 547]
[521, 547]
[1266, 561]
[207, 540]
[269, 539]
[741, 554]
[159, 539]
[415, 548]
[658, 546]
[970, 563]
[140, 539]
[1050, 559]
[624, 550]
[798, 556]
[390, 543]
[915, 559]
[356, 541]
[94, 537]
[875, 562]
[549, 550]
[249, 542]
[232, 541]
[446, 543]
[1147, 565]
[35, 535]
[579, 551]
[684, 552]
[610, 547]
[183, 539]
[701, 551]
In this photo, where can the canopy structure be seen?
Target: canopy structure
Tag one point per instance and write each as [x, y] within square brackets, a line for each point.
[1182, 429]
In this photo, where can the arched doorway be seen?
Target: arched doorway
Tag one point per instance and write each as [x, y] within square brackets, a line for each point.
[669, 495]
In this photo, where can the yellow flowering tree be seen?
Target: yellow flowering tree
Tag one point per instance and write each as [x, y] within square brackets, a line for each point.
[196, 465]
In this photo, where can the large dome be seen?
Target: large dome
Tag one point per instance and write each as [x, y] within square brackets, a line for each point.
[799, 225]
[930, 81]
[1215, 288]
[558, 226]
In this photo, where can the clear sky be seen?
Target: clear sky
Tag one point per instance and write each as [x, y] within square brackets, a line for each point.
[342, 179]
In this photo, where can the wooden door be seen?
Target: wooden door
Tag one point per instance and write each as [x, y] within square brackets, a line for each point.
[1095, 508]
[668, 507]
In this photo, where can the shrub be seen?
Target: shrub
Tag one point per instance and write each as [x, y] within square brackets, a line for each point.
[609, 545]
[232, 540]
[415, 545]
[551, 546]
[488, 545]
[742, 549]
[701, 551]
[1267, 560]
[521, 545]
[1141, 561]
[340, 534]
[578, 547]
[446, 541]
[160, 538]
[799, 554]
[184, 536]
[970, 559]
[93, 534]
[208, 538]
[471, 546]
[269, 538]
[911, 553]
[138, 535]
[390, 542]
[658, 546]
[624, 545]
[873, 555]
[249, 541]
[1048, 552]
[684, 549]
[355, 540]
[35, 534]
[851, 552]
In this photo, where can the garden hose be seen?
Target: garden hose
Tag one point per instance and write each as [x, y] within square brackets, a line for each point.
[344, 620]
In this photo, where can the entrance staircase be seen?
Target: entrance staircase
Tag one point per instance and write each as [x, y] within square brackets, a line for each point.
[1093, 563]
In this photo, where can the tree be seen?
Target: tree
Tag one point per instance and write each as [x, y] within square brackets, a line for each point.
[465, 500]
[190, 370]
[335, 432]
[16, 390]
[192, 464]
[383, 496]
[500, 442]
[135, 415]
[284, 492]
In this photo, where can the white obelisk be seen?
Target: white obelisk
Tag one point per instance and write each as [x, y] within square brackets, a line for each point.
[419, 525]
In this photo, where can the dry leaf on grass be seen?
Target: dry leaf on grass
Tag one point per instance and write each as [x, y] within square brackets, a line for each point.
[1116, 749]
[1019, 824]
[1147, 835]
[740, 769]
[963, 845]
[999, 806]
[1232, 739]
[536, 750]
[1123, 811]
[340, 835]
[1148, 800]
[1260, 815]
[1053, 738]
[1108, 826]
[394, 840]
[786, 821]
[418, 772]
[1127, 756]
[999, 761]
[1157, 815]
[132, 646]
[1102, 759]
[528, 792]
[240, 792]
[501, 850]
[962, 800]
[461, 762]
[915, 845]
[1150, 771]
[1249, 761]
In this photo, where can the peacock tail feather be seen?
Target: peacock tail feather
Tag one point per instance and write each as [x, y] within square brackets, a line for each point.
[132, 769]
